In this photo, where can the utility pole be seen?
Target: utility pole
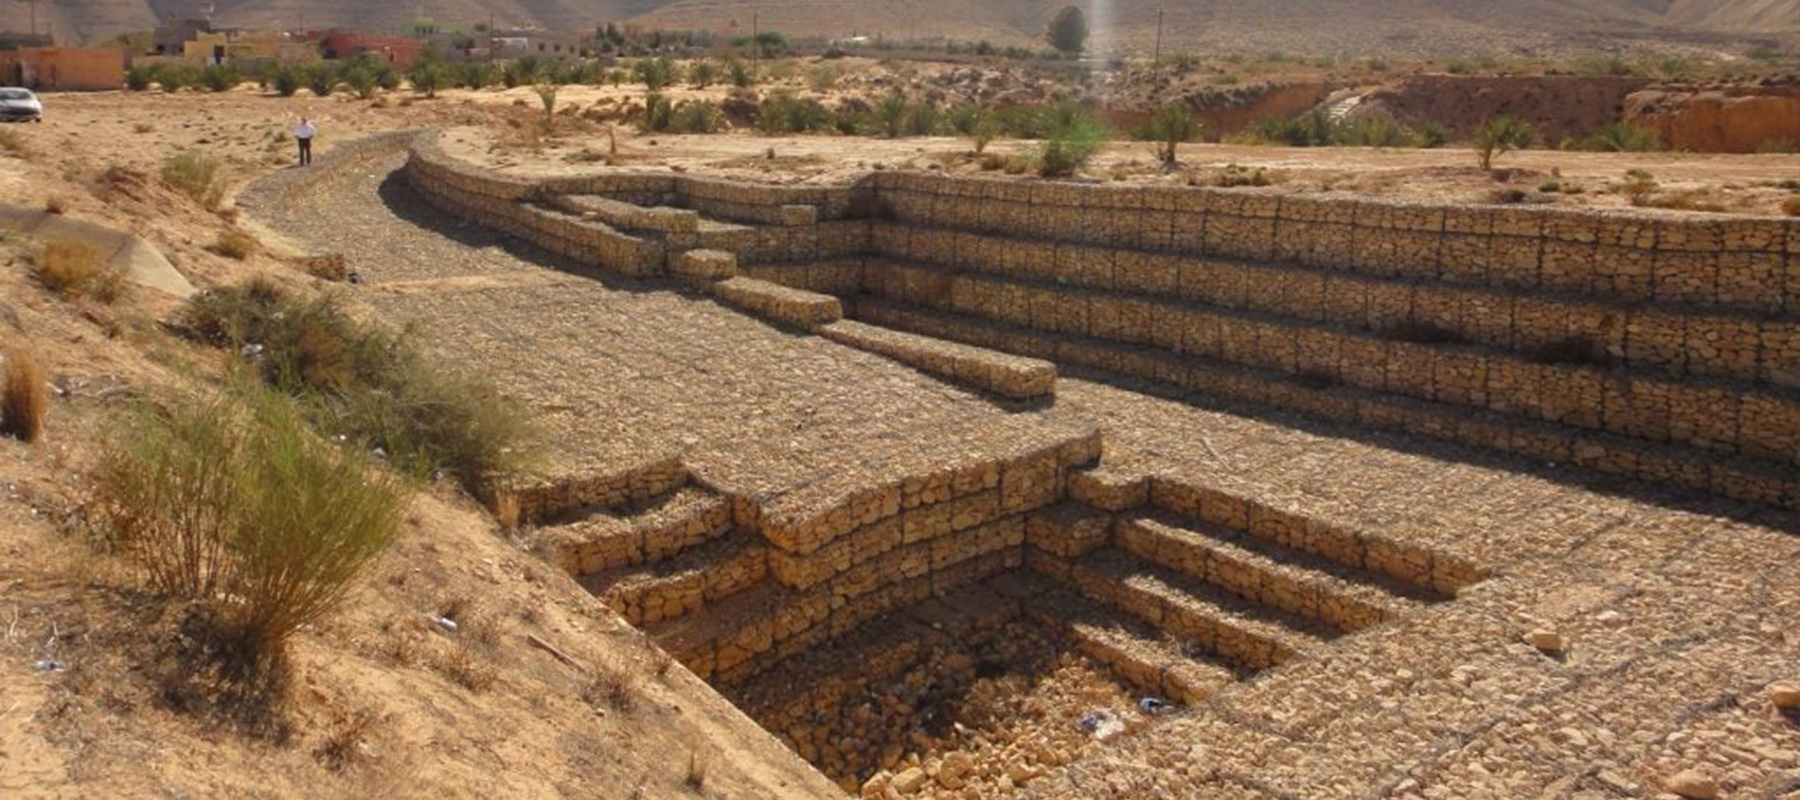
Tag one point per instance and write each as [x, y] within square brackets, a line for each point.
[755, 43]
[490, 47]
[1156, 58]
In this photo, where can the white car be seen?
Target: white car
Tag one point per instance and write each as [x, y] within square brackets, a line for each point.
[20, 105]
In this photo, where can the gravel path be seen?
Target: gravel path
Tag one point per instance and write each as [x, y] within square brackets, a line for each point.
[622, 371]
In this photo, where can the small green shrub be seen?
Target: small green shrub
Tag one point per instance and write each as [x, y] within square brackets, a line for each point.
[368, 385]
[1074, 138]
[739, 74]
[286, 80]
[427, 77]
[198, 175]
[657, 73]
[1171, 126]
[659, 114]
[702, 74]
[783, 113]
[362, 81]
[1620, 137]
[1501, 135]
[321, 81]
[139, 78]
[232, 501]
[220, 78]
[890, 115]
[696, 117]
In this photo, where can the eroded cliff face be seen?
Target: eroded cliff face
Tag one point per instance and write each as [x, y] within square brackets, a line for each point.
[1221, 110]
[1557, 106]
[1720, 119]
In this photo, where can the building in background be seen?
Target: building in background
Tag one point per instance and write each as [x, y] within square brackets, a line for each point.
[400, 51]
[68, 69]
[543, 44]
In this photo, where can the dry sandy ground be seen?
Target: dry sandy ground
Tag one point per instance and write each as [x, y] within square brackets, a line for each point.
[1739, 183]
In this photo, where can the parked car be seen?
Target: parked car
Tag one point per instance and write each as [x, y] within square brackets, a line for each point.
[20, 105]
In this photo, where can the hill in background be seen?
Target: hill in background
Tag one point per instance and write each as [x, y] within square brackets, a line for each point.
[1306, 26]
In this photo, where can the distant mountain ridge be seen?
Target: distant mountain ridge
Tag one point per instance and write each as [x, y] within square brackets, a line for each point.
[1290, 25]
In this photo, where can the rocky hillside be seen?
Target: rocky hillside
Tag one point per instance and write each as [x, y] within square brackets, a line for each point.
[1309, 25]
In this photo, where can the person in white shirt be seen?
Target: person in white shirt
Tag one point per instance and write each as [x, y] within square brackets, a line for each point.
[304, 133]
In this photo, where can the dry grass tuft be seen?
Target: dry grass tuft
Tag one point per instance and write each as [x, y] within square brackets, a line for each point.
[197, 175]
[232, 501]
[466, 667]
[343, 745]
[25, 398]
[13, 142]
[1791, 206]
[696, 772]
[329, 267]
[611, 686]
[235, 245]
[77, 270]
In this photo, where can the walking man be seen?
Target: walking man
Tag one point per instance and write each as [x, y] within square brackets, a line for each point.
[303, 133]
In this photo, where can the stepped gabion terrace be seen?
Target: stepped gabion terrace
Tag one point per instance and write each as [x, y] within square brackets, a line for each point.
[977, 488]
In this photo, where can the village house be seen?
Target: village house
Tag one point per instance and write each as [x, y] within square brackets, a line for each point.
[74, 69]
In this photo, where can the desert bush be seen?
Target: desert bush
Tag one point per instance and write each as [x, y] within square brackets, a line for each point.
[235, 245]
[362, 81]
[1068, 31]
[1074, 137]
[1791, 206]
[889, 115]
[546, 94]
[286, 80]
[220, 78]
[657, 73]
[198, 175]
[1499, 136]
[1168, 128]
[139, 78]
[696, 117]
[321, 80]
[232, 500]
[1620, 137]
[368, 385]
[13, 142]
[659, 114]
[922, 119]
[1374, 130]
[474, 75]
[823, 77]
[175, 77]
[519, 72]
[427, 77]
[1638, 187]
[784, 113]
[1314, 128]
[77, 270]
[703, 73]
[740, 74]
[24, 397]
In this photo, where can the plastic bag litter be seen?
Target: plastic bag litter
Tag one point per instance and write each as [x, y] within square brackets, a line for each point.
[1104, 725]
